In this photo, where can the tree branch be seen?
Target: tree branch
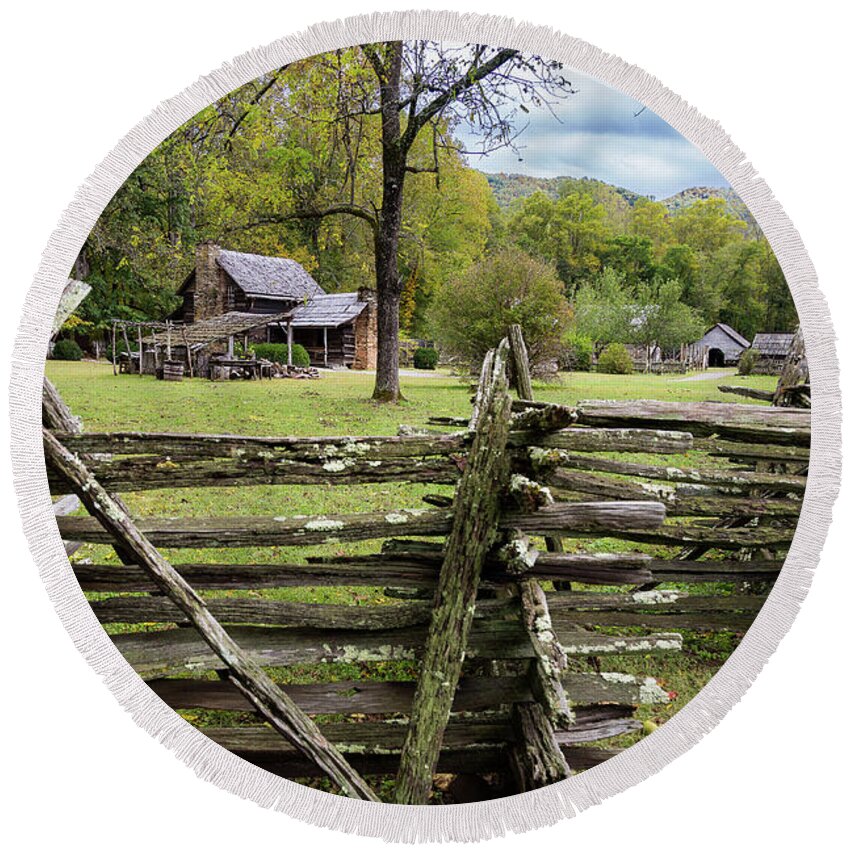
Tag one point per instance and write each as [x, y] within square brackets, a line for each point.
[300, 215]
[253, 102]
[374, 60]
[471, 78]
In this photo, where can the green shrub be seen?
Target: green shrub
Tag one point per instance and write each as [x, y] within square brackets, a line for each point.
[578, 353]
[471, 313]
[277, 352]
[67, 349]
[747, 362]
[615, 360]
[425, 358]
[239, 349]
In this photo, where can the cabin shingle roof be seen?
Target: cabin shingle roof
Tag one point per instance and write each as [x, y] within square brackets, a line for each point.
[328, 311]
[269, 277]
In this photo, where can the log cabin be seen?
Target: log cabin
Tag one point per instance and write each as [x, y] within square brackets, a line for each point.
[338, 330]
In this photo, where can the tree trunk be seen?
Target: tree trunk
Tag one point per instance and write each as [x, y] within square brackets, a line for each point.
[389, 227]
[386, 379]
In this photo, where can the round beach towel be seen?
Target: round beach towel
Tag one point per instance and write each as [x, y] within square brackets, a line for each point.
[437, 425]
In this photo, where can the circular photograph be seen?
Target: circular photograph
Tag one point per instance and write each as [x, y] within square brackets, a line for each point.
[426, 422]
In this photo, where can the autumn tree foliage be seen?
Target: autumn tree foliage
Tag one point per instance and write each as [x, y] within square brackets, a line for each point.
[724, 272]
[321, 157]
[349, 162]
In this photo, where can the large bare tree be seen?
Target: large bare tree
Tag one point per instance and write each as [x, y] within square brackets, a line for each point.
[411, 87]
[423, 84]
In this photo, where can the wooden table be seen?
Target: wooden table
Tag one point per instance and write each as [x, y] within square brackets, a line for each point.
[221, 368]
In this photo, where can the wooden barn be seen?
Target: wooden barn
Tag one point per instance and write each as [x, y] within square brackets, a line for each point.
[725, 345]
[337, 330]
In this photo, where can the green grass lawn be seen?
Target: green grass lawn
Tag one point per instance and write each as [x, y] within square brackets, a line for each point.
[338, 403]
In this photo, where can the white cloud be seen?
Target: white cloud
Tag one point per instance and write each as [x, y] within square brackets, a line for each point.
[603, 134]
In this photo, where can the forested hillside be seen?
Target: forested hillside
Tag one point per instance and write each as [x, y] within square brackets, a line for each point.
[508, 188]
[702, 193]
[704, 240]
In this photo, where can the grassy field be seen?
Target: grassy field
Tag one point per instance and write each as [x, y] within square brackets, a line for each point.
[339, 403]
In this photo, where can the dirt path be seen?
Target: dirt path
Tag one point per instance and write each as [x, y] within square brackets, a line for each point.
[702, 376]
[407, 373]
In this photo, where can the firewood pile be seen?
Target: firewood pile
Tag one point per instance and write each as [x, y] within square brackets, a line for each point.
[281, 370]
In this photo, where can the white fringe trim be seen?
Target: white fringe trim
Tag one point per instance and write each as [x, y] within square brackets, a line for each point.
[470, 822]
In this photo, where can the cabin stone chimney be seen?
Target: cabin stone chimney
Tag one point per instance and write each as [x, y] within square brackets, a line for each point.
[209, 282]
[366, 331]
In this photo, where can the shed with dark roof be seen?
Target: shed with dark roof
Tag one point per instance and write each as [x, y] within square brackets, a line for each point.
[771, 350]
[773, 345]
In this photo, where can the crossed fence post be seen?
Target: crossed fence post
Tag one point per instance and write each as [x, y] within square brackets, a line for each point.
[536, 756]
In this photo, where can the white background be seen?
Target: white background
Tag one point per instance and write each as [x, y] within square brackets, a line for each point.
[76, 77]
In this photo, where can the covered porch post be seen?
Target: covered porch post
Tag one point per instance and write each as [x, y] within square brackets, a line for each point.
[325, 342]
[289, 342]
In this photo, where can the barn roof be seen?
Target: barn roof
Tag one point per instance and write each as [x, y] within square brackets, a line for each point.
[328, 311]
[269, 277]
[729, 331]
[733, 334]
[206, 331]
[773, 345]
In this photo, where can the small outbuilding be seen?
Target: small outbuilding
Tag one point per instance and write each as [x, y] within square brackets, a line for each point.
[725, 345]
[772, 349]
[773, 346]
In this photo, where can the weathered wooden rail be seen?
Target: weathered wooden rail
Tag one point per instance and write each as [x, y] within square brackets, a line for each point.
[494, 692]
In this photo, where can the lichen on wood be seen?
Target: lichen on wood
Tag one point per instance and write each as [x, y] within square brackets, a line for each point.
[254, 683]
[476, 509]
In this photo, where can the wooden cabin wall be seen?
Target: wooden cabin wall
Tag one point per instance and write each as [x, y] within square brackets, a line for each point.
[264, 306]
[234, 297]
[340, 344]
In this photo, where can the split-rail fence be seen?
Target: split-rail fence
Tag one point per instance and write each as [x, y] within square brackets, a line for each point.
[495, 694]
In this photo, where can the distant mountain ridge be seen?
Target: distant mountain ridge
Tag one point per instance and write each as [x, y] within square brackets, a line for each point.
[689, 196]
[508, 188]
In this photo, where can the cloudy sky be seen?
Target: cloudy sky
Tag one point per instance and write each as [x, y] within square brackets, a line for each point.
[599, 135]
